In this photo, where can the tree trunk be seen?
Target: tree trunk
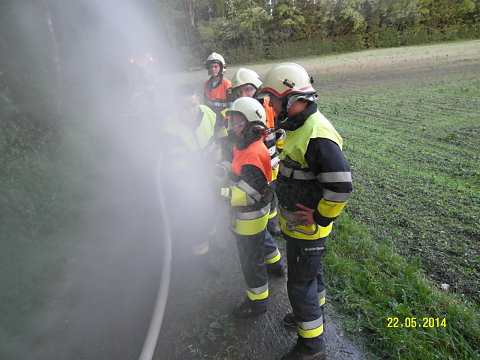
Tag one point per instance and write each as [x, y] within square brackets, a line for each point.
[57, 65]
[190, 12]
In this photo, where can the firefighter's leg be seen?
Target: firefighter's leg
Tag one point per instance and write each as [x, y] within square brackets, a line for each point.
[273, 258]
[251, 250]
[200, 232]
[304, 262]
[273, 227]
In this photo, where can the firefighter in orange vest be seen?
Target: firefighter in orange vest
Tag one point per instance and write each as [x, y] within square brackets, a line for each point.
[215, 88]
[245, 83]
[250, 197]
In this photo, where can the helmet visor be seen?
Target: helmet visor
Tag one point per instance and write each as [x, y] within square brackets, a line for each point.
[236, 122]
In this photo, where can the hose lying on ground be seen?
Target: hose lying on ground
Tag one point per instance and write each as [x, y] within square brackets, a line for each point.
[159, 310]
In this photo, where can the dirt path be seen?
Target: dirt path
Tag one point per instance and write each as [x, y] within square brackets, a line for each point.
[199, 325]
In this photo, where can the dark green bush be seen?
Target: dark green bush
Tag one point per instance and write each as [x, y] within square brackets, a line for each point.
[387, 37]
[414, 37]
[348, 43]
[244, 54]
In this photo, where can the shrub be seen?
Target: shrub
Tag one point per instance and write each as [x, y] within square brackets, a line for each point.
[348, 43]
[388, 37]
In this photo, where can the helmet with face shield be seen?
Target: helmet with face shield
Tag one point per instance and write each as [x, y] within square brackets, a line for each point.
[287, 79]
[246, 115]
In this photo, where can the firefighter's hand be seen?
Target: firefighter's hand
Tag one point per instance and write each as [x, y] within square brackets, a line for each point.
[306, 214]
[222, 171]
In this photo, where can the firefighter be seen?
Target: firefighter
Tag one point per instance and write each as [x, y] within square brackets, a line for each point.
[250, 198]
[190, 147]
[215, 88]
[313, 186]
[246, 83]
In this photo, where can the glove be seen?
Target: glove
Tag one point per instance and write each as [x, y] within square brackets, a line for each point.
[225, 194]
[269, 195]
[221, 172]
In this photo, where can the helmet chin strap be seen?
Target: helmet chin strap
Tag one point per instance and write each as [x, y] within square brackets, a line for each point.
[288, 101]
[283, 115]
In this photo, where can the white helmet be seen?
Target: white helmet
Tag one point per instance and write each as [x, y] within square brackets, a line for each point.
[250, 108]
[246, 76]
[287, 79]
[216, 58]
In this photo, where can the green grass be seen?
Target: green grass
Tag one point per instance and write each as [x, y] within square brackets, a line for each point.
[413, 221]
[415, 158]
[44, 190]
[369, 282]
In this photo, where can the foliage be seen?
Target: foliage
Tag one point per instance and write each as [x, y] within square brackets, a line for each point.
[247, 30]
[244, 30]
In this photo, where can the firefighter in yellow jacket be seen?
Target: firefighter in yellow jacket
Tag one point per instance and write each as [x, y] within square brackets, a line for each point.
[313, 186]
[250, 198]
[190, 147]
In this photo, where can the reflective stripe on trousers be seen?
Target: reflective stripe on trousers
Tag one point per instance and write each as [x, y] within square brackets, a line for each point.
[251, 249]
[272, 254]
[200, 249]
[310, 329]
[259, 293]
[322, 297]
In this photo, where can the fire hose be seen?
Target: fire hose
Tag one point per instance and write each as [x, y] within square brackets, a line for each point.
[161, 301]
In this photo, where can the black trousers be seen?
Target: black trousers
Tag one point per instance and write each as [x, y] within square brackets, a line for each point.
[305, 281]
[251, 250]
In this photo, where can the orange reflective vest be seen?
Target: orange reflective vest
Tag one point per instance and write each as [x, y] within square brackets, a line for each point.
[216, 97]
[255, 154]
[270, 113]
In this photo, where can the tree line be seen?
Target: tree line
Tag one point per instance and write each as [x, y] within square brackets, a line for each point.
[245, 30]
[52, 49]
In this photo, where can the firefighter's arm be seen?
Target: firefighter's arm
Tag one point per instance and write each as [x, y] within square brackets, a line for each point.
[248, 188]
[328, 164]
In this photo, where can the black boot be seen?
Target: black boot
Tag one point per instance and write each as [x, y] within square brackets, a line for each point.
[290, 321]
[207, 265]
[250, 308]
[300, 353]
[277, 268]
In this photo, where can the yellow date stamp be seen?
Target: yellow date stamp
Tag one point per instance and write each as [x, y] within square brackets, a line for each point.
[413, 322]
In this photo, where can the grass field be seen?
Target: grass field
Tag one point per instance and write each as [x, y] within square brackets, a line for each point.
[415, 153]
[412, 135]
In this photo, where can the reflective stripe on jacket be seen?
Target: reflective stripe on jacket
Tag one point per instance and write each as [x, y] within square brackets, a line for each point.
[326, 191]
[250, 208]
[216, 96]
